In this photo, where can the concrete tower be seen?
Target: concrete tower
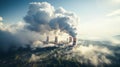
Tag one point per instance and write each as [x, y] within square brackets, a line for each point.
[70, 39]
[56, 40]
[74, 40]
[47, 39]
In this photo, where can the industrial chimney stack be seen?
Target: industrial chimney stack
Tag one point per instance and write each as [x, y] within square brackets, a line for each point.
[74, 40]
[70, 39]
[47, 40]
[56, 39]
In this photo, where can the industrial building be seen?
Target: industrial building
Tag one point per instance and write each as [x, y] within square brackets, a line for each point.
[70, 40]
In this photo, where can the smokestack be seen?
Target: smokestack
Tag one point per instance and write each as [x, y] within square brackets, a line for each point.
[74, 40]
[47, 39]
[56, 39]
[70, 39]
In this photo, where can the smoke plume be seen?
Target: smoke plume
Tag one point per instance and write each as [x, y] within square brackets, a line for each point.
[43, 17]
[41, 20]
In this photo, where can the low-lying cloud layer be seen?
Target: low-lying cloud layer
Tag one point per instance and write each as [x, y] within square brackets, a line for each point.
[16, 35]
[97, 53]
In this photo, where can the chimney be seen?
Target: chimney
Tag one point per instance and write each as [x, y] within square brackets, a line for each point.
[70, 39]
[74, 40]
[56, 39]
[47, 39]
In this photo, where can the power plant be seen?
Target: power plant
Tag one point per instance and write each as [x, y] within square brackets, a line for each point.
[71, 40]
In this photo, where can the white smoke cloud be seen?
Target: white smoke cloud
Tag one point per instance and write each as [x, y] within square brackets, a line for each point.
[43, 17]
[39, 15]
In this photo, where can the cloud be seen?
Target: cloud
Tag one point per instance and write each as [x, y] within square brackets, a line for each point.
[8, 38]
[16, 35]
[115, 1]
[95, 54]
[34, 58]
[43, 17]
[111, 2]
[38, 21]
[39, 15]
[114, 13]
[1, 18]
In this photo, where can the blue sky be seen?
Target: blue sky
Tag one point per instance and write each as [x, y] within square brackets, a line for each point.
[97, 17]
[17, 8]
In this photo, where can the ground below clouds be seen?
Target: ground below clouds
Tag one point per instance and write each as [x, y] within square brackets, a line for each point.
[86, 54]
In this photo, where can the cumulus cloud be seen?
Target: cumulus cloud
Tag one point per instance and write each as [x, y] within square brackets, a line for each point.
[42, 16]
[39, 15]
